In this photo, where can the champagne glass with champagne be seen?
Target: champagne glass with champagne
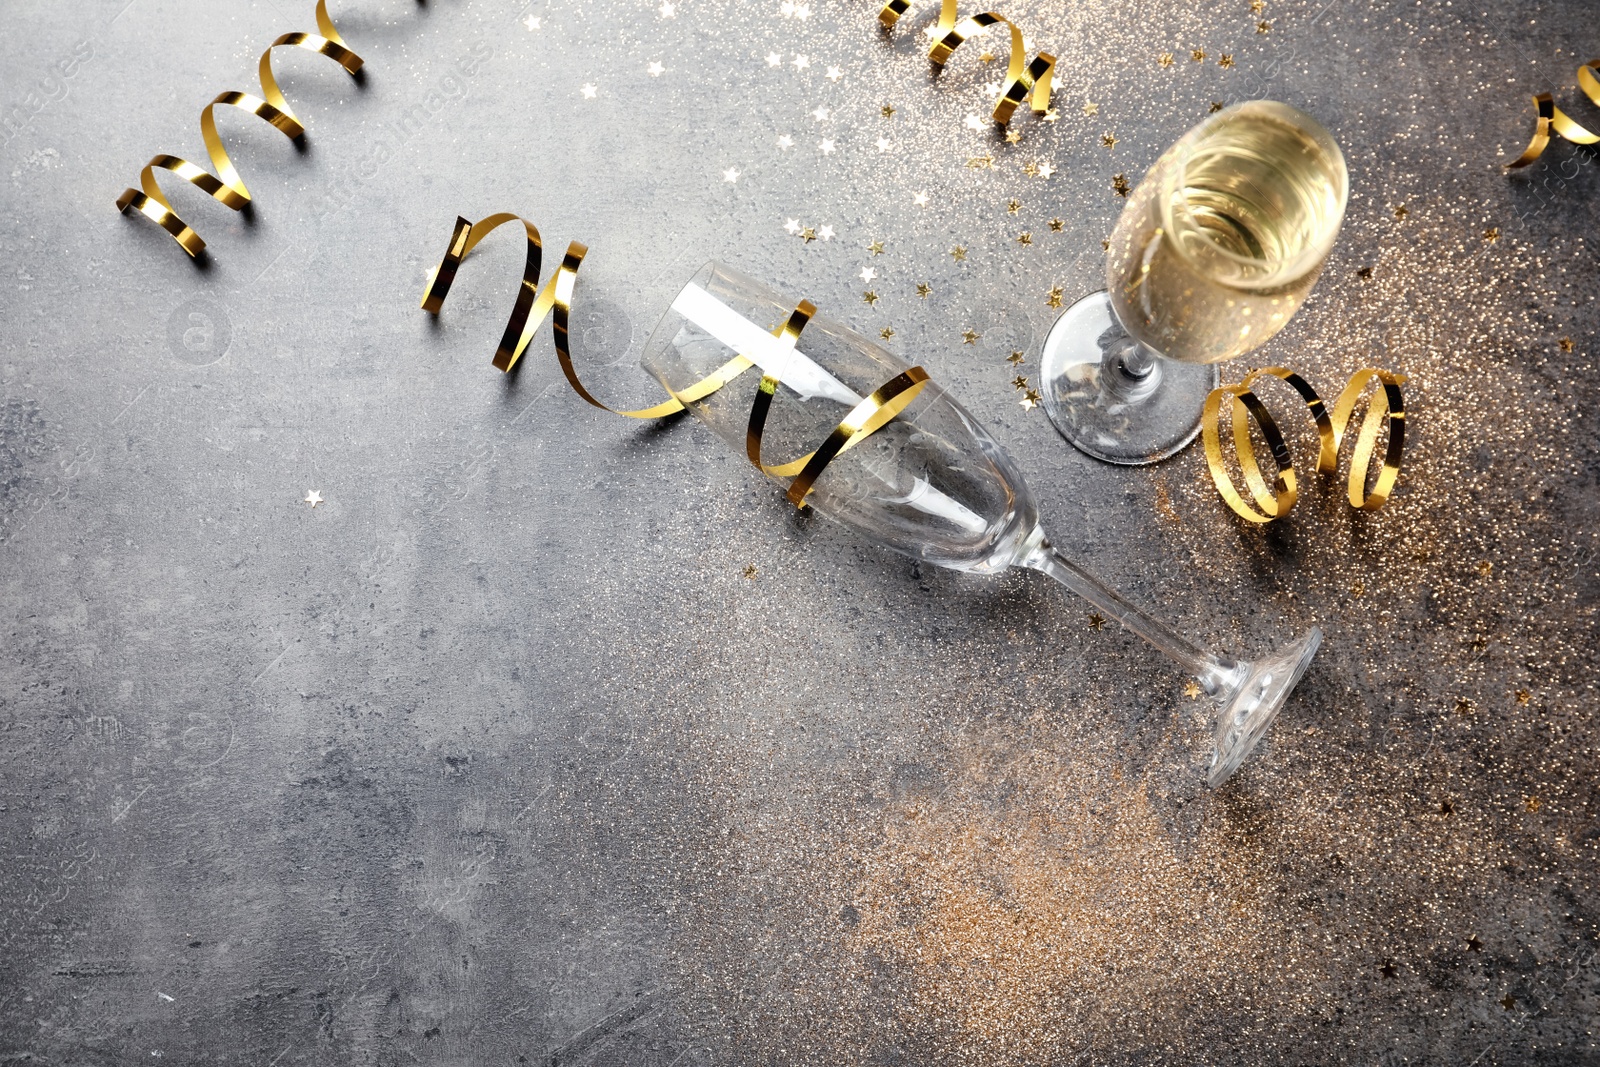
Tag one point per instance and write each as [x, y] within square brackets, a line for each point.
[1216, 249]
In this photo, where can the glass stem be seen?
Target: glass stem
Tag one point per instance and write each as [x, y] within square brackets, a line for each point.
[1218, 675]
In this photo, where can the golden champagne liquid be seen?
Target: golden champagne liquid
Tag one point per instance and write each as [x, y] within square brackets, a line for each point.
[1227, 233]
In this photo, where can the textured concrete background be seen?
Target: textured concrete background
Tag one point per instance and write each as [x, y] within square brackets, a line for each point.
[499, 756]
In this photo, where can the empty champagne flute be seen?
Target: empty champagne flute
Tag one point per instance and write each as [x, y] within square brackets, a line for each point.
[1214, 252]
[931, 483]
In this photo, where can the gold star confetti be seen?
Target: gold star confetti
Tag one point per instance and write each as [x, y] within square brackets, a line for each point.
[1166, 59]
[1566, 344]
[969, 336]
[1198, 55]
[1473, 944]
[1105, 246]
[1050, 116]
[1485, 567]
[920, 199]
[1030, 169]
[1358, 589]
[1257, 7]
[1492, 234]
[876, 248]
[958, 253]
[987, 57]
[1508, 1002]
[1226, 61]
[808, 235]
[1109, 140]
[1025, 238]
[1097, 621]
[1029, 401]
[1533, 803]
[923, 289]
[1463, 706]
[870, 297]
[1056, 225]
[1263, 26]
[1054, 297]
[1091, 109]
[749, 570]
[887, 111]
[1192, 690]
[1216, 106]
[886, 333]
[1013, 136]
[1014, 206]
[731, 174]
[1120, 184]
[1523, 696]
[1019, 382]
[313, 497]
[980, 163]
[1015, 358]
[1401, 211]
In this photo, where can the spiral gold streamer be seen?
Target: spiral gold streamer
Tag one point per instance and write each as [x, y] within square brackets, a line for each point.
[1386, 408]
[226, 185]
[555, 299]
[1023, 77]
[1547, 117]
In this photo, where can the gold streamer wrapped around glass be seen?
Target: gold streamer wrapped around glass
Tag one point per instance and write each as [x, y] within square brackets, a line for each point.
[555, 299]
[1023, 77]
[1548, 117]
[1385, 409]
[226, 185]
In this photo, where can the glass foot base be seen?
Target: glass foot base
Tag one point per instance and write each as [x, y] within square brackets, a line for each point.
[1113, 398]
[1250, 708]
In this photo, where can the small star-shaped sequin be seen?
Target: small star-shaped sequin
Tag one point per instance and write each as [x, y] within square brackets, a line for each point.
[1198, 55]
[1165, 59]
[1015, 358]
[749, 570]
[1031, 169]
[886, 333]
[774, 59]
[1216, 106]
[1257, 7]
[923, 289]
[1364, 273]
[668, 9]
[1401, 211]
[532, 22]
[883, 144]
[987, 57]
[313, 497]
[1056, 225]
[821, 114]
[1357, 589]
[1473, 944]
[1492, 234]
[887, 111]
[1013, 136]
[1388, 969]
[920, 199]
[589, 91]
[1013, 206]
[992, 88]
[785, 142]
[1508, 1002]
[958, 253]
[1192, 690]
[1447, 807]
[876, 248]
[867, 274]
[1019, 382]
[1046, 169]
[969, 336]
[808, 235]
[1226, 61]
[825, 232]
[870, 297]
[731, 174]
[1029, 401]
[1523, 696]
[1263, 26]
[1566, 344]
[1051, 115]
[1533, 803]
[825, 146]
[1053, 299]
[1120, 184]
[1091, 109]
[973, 122]
[801, 62]
[792, 225]
[1097, 621]
[834, 74]
[1463, 706]
[655, 69]
[1109, 140]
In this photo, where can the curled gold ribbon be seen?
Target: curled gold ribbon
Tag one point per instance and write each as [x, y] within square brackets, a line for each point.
[1386, 408]
[226, 185]
[1023, 77]
[555, 299]
[1548, 117]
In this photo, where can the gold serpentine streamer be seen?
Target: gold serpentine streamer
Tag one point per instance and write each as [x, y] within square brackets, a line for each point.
[226, 185]
[1547, 117]
[1023, 77]
[555, 299]
[1387, 407]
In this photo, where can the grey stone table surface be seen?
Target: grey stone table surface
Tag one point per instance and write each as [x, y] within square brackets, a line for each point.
[551, 738]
